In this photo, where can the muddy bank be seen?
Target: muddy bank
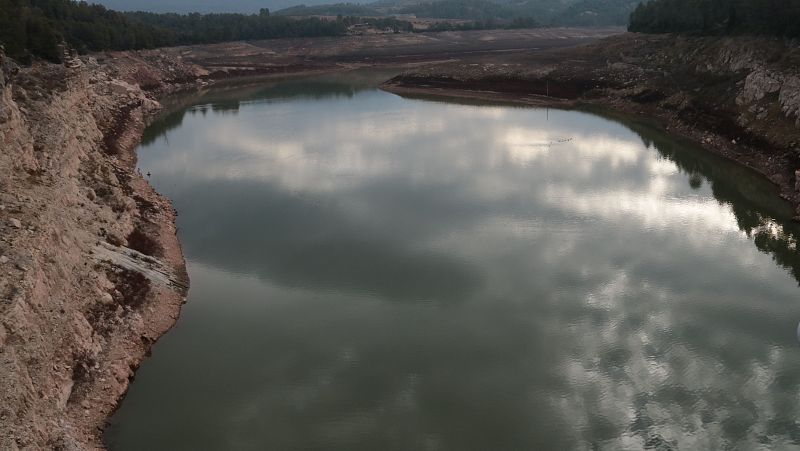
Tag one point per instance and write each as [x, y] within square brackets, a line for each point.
[738, 97]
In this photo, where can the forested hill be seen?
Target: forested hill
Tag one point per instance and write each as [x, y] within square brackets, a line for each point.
[345, 9]
[766, 17]
[35, 28]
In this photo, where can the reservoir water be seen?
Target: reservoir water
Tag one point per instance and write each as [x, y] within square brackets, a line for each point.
[371, 272]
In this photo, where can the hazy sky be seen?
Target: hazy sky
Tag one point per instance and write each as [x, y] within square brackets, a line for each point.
[205, 6]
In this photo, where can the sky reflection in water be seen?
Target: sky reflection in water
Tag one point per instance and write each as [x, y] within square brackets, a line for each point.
[372, 272]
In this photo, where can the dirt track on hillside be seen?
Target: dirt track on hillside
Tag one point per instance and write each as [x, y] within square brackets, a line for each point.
[280, 56]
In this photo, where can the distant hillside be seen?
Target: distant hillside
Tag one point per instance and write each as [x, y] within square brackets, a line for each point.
[546, 12]
[336, 9]
[461, 9]
[550, 12]
[590, 13]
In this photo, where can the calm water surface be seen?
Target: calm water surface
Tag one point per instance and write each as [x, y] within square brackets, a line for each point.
[377, 273]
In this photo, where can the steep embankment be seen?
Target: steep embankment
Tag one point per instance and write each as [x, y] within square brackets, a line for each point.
[91, 272]
[739, 97]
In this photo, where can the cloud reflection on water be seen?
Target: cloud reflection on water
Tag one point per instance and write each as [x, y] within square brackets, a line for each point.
[449, 276]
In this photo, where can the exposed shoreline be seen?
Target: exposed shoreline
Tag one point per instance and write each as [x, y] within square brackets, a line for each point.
[116, 317]
[736, 97]
[709, 141]
[86, 215]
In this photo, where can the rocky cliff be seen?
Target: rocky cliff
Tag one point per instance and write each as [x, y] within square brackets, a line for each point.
[91, 272]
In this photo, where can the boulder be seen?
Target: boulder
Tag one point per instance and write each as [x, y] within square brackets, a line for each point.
[789, 97]
[797, 180]
[758, 84]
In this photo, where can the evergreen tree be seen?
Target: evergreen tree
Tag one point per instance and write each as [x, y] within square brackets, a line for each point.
[767, 17]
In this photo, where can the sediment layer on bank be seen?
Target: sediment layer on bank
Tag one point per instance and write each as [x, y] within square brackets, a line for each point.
[739, 96]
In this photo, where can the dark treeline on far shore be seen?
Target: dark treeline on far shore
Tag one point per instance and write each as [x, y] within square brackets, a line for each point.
[764, 17]
[35, 28]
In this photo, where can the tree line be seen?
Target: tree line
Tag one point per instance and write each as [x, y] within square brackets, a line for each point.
[344, 9]
[36, 28]
[764, 17]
